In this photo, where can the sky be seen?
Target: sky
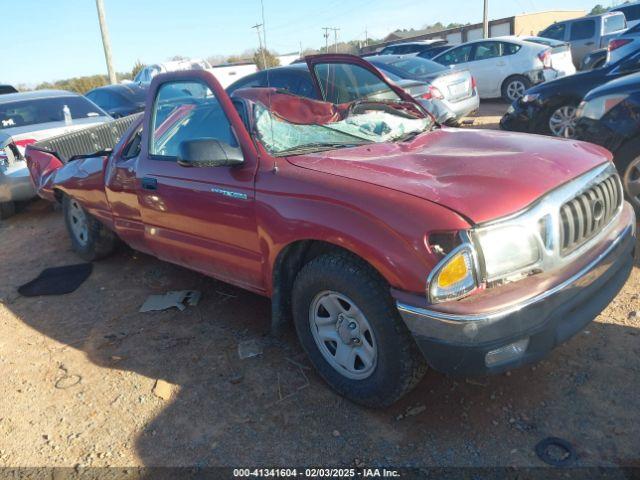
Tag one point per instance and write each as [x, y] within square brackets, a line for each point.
[48, 40]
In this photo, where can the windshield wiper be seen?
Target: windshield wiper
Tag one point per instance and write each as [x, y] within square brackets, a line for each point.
[316, 146]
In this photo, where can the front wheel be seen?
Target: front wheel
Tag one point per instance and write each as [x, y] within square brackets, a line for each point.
[627, 161]
[514, 87]
[89, 238]
[350, 328]
[562, 121]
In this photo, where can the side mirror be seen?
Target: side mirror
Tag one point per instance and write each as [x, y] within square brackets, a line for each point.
[207, 152]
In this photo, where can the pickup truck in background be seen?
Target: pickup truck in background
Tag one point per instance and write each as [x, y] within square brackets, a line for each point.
[586, 34]
[391, 243]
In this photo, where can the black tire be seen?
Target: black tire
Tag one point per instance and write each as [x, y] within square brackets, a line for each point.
[623, 158]
[7, 209]
[514, 78]
[99, 241]
[400, 365]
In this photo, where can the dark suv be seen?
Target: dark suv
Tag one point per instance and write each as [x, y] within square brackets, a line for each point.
[419, 47]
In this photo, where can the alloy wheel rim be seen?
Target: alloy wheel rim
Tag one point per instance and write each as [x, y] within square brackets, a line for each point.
[515, 89]
[631, 182]
[78, 222]
[563, 122]
[343, 335]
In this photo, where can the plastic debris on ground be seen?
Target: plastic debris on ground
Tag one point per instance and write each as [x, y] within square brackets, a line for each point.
[179, 299]
[248, 349]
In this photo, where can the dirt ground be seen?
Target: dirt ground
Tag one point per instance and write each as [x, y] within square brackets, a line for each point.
[86, 380]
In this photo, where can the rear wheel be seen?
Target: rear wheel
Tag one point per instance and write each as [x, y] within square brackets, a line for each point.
[514, 87]
[89, 238]
[350, 328]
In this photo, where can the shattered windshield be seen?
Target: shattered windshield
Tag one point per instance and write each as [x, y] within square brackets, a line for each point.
[363, 122]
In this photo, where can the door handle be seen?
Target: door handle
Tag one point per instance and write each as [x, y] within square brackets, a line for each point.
[590, 43]
[149, 183]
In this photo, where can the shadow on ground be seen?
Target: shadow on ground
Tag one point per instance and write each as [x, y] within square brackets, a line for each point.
[273, 410]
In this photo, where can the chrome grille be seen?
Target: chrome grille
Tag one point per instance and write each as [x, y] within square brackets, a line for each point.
[588, 213]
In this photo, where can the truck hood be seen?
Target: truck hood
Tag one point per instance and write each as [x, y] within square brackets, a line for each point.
[483, 175]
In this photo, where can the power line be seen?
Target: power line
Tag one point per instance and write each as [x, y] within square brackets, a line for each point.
[326, 38]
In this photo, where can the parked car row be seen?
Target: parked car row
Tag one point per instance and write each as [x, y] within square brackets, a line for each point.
[389, 242]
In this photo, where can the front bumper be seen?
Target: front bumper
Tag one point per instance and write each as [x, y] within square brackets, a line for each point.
[597, 131]
[15, 183]
[521, 117]
[457, 344]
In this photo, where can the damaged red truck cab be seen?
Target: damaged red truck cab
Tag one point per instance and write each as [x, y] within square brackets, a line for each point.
[390, 242]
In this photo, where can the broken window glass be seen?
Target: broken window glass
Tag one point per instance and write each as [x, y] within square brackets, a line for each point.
[369, 126]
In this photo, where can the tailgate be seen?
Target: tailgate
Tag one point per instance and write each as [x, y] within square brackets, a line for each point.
[456, 85]
[45, 158]
[42, 167]
[87, 141]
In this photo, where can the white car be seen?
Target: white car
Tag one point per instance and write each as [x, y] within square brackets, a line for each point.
[28, 117]
[561, 58]
[503, 66]
[145, 75]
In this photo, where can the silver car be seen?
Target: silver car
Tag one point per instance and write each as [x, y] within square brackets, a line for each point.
[28, 117]
[452, 93]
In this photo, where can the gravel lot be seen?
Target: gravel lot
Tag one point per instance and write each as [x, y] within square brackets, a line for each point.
[87, 380]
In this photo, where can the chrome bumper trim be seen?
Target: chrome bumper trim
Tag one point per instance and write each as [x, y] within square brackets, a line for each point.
[488, 317]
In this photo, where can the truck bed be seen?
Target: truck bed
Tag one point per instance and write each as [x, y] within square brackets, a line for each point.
[86, 142]
[58, 160]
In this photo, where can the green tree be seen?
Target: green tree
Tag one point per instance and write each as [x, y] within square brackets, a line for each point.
[263, 58]
[137, 67]
[597, 10]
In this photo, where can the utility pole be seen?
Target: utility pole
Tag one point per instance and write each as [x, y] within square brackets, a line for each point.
[366, 37]
[106, 43]
[485, 20]
[326, 38]
[257, 26]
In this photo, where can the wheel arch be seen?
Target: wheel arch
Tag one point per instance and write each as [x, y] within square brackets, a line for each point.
[504, 83]
[289, 261]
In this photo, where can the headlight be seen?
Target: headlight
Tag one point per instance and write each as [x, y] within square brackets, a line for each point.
[531, 97]
[598, 107]
[454, 276]
[507, 250]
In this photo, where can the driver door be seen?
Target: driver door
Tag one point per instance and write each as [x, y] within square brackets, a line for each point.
[340, 78]
[202, 217]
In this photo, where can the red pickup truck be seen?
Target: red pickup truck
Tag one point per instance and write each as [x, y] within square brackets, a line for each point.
[390, 242]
